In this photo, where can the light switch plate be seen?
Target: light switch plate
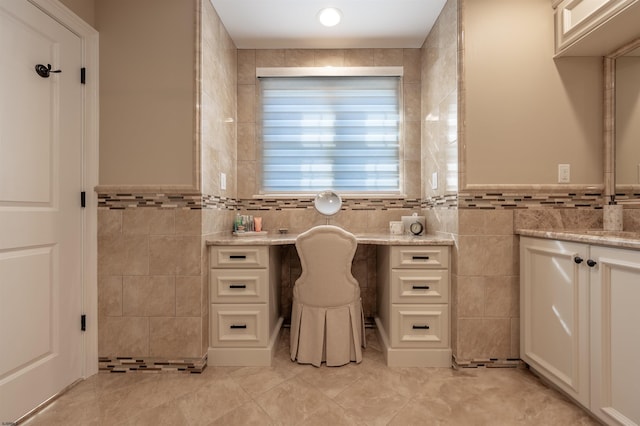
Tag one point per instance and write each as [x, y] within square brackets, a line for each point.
[564, 173]
[223, 181]
[434, 180]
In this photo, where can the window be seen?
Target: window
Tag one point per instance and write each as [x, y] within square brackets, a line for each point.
[331, 132]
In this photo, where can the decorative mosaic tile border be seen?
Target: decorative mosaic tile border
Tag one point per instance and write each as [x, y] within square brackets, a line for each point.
[347, 203]
[154, 365]
[122, 201]
[490, 363]
[505, 200]
[463, 200]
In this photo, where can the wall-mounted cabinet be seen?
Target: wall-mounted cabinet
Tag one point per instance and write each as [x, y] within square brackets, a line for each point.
[594, 27]
[579, 322]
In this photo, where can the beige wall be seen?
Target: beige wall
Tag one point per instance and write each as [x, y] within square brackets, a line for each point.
[525, 112]
[628, 120]
[85, 9]
[147, 91]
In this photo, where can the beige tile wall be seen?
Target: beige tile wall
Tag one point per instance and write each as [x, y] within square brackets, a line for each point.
[149, 281]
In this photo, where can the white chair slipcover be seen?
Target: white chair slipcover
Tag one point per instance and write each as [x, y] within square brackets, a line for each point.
[326, 316]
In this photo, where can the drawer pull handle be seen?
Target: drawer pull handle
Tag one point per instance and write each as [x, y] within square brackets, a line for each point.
[238, 256]
[420, 327]
[238, 286]
[237, 326]
[421, 287]
[420, 257]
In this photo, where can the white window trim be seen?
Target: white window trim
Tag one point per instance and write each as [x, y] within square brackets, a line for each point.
[330, 72]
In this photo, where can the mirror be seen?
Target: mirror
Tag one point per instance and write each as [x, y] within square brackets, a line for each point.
[328, 203]
[622, 119]
[627, 119]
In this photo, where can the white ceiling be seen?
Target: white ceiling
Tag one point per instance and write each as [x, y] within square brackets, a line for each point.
[292, 24]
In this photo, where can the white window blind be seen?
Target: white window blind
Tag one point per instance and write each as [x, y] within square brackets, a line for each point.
[339, 133]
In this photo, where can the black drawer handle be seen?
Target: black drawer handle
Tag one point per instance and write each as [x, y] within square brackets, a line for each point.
[238, 256]
[238, 286]
[420, 257]
[420, 327]
[237, 326]
[421, 287]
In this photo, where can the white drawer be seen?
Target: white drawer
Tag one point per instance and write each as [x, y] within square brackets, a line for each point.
[419, 286]
[238, 285]
[420, 326]
[239, 257]
[239, 325]
[419, 257]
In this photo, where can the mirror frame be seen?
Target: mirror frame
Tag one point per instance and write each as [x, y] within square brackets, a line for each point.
[610, 118]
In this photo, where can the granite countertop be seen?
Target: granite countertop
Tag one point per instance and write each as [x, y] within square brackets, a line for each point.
[624, 239]
[363, 238]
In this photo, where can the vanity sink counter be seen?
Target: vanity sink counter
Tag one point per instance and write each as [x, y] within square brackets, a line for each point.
[624, 239]
[363, 238]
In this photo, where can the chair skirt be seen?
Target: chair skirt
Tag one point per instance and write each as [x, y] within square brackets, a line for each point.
[334, 335]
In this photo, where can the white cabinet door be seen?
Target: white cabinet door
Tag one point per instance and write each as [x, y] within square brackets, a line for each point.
[615, 335]
[554, 313]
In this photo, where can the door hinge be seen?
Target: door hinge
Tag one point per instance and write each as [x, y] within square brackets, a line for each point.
[83, 199]
[83, 75]
[83, 322]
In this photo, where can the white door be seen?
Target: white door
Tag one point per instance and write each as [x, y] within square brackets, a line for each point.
[615, 335]
[40, 215]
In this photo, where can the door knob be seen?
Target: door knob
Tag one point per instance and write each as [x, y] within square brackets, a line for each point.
[591, 263]
[578, 260]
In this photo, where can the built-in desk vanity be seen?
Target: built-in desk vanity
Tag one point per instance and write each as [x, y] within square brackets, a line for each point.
[579, 295]
[412, 298]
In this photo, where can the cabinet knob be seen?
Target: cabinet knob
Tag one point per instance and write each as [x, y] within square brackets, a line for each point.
[578, 259]
[591, 263]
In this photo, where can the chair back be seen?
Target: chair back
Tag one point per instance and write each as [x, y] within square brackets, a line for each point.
[326, 253]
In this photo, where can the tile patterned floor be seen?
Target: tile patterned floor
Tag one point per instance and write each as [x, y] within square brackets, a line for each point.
[290, 394]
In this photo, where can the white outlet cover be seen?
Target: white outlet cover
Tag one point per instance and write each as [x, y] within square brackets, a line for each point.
[564, 173]
[434, 180]
[223, 181]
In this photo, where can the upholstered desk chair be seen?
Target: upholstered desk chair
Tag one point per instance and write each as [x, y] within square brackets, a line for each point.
[326, 316]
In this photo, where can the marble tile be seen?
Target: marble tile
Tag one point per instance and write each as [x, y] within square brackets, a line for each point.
[175, 337]
[481, 339]
[270, 57]
[110, 296]
[502, 296]
[146, 221]
[123, 254]
[299, 58]
[246, 66]
[246, 142]
[488, 255]
[123, 336]
[248, 414]
[174, 255]
[329, 57]
[188, 296]
[411, 61]
[293, 401]
[368, 393]
[188, 222]
[358, 58]
[485, 222]
[246, 103]
[387, 57]
[109, 222]
[470, 297]
[148, 296]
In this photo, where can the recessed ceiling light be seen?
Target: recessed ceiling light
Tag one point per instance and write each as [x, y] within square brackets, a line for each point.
[329, 16]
